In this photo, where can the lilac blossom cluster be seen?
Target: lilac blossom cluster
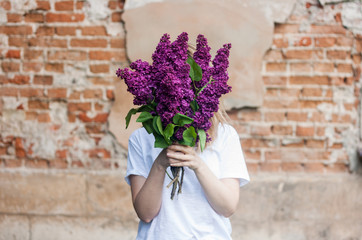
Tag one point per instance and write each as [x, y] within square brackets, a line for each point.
[167, 83]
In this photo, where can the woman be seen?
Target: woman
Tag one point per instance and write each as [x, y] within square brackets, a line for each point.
[210, 189]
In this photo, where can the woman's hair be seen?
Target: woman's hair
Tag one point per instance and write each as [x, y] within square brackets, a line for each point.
[220, 116]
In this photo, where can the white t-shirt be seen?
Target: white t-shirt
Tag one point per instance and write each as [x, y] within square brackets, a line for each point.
[189, 215]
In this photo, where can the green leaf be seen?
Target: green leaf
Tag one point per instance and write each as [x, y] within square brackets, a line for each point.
[194, 105]
[160, 142]
[157, 125]
[129, 115]
[168, 132]
[181, 120]
[202, 138]
[189, 136]
[148, 126]
[144, 116]
[195, 70]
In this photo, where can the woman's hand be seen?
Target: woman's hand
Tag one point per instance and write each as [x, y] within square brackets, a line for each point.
[183, 156]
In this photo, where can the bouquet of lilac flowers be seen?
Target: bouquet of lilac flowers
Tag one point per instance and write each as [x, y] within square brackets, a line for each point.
[178, 94]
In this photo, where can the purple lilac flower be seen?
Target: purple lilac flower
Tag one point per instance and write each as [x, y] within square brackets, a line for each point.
[167, 83]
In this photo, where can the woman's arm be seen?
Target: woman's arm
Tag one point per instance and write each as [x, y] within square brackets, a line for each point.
[222, 194]
[147, 193]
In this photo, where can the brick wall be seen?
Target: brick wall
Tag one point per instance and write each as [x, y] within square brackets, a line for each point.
[309, 118]
[58, 62]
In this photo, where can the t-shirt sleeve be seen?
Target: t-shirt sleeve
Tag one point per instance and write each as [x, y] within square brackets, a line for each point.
[233, 163]
[135, 160]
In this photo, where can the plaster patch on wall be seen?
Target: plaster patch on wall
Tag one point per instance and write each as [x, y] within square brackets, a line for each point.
[96, 10]
[352, 16]
[23, 5]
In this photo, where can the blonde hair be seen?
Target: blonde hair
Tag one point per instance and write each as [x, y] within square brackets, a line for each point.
[220, 116]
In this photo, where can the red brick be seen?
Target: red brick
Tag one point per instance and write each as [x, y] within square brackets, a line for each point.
[38, 104]
[19, 148]
[83, 107]
[287, 103]
[10, 66]
[45, 31]
[280, 42]
[33, 54]
[64, 6]
[319, 80]
[47, 42]
[282, 130]
[13, 163]
[13, 17]
[337, 168]
[303, 42]
[36, 163]
[100, 117]
[100, 55]
[31, 116]
[303, 54]
[43, 80]
[323, 67]
[74, 95]
[32, 66]
[80, 4]
[248, 116]
[65, 31]
[253, 167]
[116, 4]
[325, 42]
[305, 131]
[312, 92]
[99, 153]
[257, 143]
[328, 29]
[94, 31]
[99, 68]
[274, 116]
[31, 92]
[275, 80]
[57, 93]
[345, 68]
[313, 143]
[8, 91]
[44, 118]
[292, 167]
[43, 5]
[88, 42]
[64, 17]
[94, 129]
[61, 153]
[16, 30]
[252, 155]
[293, 143]
[20, 80]
[72, 55]
[116, 17]
[34, 17]
[110, 94]
[13, 54]
[93, 93]
[58, 163]
[54, 67]
[6, 5]
[276, 67]
[300, 67]
[18, 41]
[344, 41]
[286, 28]
[272, 155]
[314, 167]
[117, 42]
[270, 166]
[338, 54]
